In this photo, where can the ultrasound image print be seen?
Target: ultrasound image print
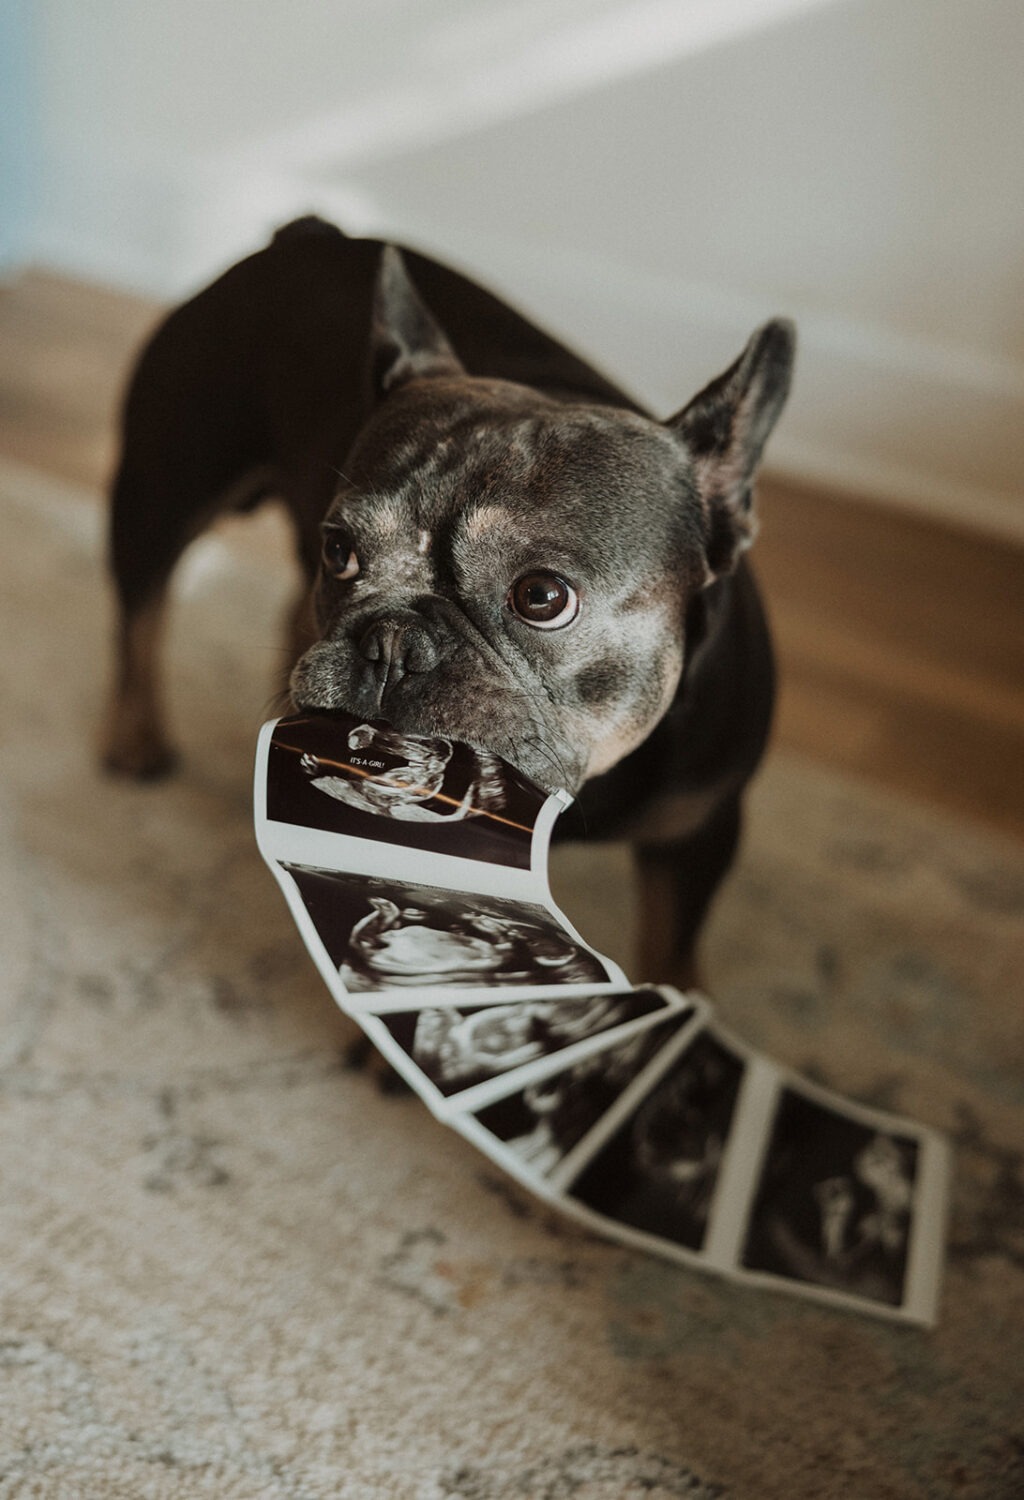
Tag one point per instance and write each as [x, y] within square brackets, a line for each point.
[384, 935]
[457, 1048]
[541, 1123]
[834, 1203]
[659, 1170]
[345, 775]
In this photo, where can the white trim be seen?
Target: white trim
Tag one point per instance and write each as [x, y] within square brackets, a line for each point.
[978, 508]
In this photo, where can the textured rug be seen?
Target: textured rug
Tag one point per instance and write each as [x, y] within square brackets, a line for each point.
[231, 1266]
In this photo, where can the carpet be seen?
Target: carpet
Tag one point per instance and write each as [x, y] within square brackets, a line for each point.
[232, 1266]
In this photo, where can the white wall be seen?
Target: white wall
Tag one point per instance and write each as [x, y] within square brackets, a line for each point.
[651, 177]
[18, 131]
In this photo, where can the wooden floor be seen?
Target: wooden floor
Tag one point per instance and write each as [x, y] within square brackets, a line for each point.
[901, 641]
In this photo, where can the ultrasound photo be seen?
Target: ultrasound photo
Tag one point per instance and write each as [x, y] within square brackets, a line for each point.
[834, 1203]
[365, 779]
[620, 1105]
[457, 1048]
[385, 935]
[538, 1125]
[659, 1170]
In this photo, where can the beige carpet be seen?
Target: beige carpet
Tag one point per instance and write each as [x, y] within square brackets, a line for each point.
[232, 1268]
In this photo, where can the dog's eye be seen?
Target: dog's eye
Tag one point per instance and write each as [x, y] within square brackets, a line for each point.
[339, 556]
[544, 600]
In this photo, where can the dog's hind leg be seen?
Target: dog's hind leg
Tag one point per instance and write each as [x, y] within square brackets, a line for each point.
[146, 541]
[150, 528]
[134, 739]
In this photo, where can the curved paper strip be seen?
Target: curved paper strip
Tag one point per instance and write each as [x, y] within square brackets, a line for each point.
[416, 870]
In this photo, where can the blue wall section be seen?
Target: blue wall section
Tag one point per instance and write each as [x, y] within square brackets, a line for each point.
[19, 137]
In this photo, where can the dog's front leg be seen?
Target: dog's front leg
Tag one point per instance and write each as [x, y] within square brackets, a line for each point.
[677, 883]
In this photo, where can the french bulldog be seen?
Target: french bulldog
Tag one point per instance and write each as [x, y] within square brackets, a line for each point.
[500, 546]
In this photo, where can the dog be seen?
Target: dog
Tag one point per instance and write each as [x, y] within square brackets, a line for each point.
[500, 546]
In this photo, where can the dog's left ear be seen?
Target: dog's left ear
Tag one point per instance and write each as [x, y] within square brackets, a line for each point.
[725, 429]
[406, 342]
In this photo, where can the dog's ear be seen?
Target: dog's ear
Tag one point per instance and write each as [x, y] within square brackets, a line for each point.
[405, 340]
[725, 429]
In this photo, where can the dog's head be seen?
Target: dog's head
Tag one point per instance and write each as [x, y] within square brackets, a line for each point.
[514, 571]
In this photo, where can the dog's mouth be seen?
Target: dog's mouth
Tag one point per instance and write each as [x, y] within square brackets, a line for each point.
[491, 717]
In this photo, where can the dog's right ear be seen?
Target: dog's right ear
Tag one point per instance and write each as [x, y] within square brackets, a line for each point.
[406, 342]
[725, 429]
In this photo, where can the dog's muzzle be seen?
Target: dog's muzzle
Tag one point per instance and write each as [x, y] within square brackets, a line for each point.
[360, 671]
[396, 645]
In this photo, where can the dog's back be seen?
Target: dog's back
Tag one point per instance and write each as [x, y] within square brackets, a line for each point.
[259, 385]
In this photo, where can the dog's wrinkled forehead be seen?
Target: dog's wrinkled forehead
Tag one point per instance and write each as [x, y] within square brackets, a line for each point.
[492, 458]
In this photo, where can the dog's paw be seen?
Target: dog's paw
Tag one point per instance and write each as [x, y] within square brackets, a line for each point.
[361, 1056]
[138, 757]
[132, 742]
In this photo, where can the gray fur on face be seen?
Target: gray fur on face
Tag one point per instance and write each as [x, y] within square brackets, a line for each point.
[458, 487]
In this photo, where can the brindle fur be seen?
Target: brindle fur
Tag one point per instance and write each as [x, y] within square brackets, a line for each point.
[458, 445]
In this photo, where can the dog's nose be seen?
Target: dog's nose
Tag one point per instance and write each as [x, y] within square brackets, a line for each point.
[397, 646]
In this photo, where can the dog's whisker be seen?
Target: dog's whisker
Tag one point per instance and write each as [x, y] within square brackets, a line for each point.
[535, 740]
[278, 703]
[552, 759]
